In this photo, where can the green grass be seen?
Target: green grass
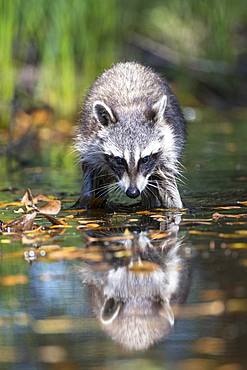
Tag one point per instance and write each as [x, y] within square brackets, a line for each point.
[75, 40]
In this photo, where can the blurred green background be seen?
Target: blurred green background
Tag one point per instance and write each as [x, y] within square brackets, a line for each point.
[50, 51]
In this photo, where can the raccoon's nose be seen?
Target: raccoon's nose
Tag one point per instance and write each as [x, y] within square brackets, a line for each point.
[133, 192]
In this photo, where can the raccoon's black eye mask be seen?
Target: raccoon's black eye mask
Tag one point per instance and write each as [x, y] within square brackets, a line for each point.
[117, 164]
[147, 163]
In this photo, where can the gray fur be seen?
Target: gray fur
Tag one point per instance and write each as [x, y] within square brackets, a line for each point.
[142, 112]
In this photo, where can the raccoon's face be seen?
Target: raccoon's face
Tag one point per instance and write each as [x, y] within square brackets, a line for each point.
[134, 144]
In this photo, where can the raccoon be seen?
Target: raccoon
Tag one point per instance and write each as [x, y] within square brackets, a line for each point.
[131, 135]
[134, 305]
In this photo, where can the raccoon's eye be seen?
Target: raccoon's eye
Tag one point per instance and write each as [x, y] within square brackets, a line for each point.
[120, 161]
[145, 160]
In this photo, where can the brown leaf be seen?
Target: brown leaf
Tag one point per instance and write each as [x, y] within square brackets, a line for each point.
[55, 221]
[21, 224]
[10, 204]
[89, 226]
[227, 207]
[27, 198]
[243, 203]
[10, 280]
[52, 207]
[143, 266]
[158, 235]
[217, 215]
[210, 346]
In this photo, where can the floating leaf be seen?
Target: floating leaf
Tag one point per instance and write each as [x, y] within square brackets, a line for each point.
[8, 204]
[21, 224]
[217, 216]
[27, 198]
[227, 207]
[143, 266]
[52, 207]
[212, 294]
[10, 280]
[89, 226]
[158, 235]
[55, 221]
[243, 202]
[237, 245]
[5, 241]
[210, 346]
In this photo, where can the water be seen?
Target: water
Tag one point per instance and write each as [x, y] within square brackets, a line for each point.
[176, 288]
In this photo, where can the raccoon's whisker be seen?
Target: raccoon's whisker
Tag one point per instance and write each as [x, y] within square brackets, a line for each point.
[110, 188]
[99, 188]
[153, 185]
[148, 188]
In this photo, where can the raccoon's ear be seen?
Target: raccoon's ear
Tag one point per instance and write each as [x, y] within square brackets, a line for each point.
[158, 109]
[167, 312]
[103, 113]
[110, 310]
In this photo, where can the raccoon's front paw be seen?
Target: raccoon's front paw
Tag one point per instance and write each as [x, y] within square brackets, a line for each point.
[80, 204]
[89, 203]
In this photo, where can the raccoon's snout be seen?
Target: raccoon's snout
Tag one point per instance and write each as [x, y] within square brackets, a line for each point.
[133, 192]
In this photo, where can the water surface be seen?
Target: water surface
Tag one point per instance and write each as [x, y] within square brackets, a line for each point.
[157, 290]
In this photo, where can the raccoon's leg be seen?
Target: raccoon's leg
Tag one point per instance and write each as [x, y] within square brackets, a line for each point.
[169, 194]
[151, 198]
[87, 188]
[101, 190]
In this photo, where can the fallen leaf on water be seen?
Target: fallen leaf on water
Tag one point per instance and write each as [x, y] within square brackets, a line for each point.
[193, 310]
[87, 221]
[89, 226]
[10, 280]
[158, 235]
[21, 224]
[243, 202]
[242, 232]
[217, 215]
[212, 294]
[51, 206]
[54, 221]
[196, 364]
[110, 238]
[144, 213]
[50, 247]
[209, 346]
[228, 236]
[27, 198]
[75, 210]
[236, 305]
[200, 232]
[5, 241]
[123, 253]
[231, 366]
[35, 239]
[143, 266]
[227, 207]
[19, 210]
[237, 245]
[72, 253]
[10, 204]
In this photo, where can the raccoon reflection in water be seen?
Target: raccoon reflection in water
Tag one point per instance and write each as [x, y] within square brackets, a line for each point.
[132, 298]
